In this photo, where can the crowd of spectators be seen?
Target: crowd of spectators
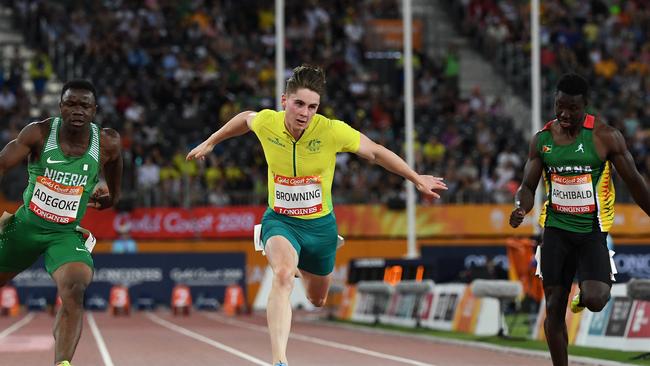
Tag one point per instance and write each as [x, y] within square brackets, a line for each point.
[168, 73]
[606, 41]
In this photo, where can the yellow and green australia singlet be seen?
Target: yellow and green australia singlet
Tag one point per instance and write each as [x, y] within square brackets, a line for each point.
[578, 183]
[59, 186]
[301, 171]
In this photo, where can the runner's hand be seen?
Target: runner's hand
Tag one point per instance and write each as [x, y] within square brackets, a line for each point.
[428, 185]
[200, 151]
[101, 198]
[517, 216]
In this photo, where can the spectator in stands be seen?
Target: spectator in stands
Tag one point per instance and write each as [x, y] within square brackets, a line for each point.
[40, 71]
[148, 182]
[167, 74]
[8, 102]
[124, 244]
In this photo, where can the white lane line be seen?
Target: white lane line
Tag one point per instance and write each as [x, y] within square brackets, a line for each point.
[17, 325]
[178, 329]
[106, 357]
[322, 342]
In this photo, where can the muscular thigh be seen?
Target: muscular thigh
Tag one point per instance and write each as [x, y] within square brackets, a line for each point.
[66, 247]
[314, 240]
[593, 257]
[559, 258]
[20, 246]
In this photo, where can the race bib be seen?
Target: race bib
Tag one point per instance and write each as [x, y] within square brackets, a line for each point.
[55, 202]
[298, 196]
[573, 195]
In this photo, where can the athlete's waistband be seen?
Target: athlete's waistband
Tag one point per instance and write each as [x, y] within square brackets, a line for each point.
[327, 218]
[25, 216]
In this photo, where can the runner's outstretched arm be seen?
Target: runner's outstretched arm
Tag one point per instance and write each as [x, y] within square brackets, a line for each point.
[237, 126]
[525, 196]
[18, 149]
[390, 161]
[622, 160]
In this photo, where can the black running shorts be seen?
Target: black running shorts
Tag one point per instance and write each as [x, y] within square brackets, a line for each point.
[566, 254]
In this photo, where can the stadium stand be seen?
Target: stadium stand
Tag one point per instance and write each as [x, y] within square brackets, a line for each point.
[167, 73]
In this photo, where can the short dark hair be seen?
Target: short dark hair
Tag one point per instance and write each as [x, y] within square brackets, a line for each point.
[308, 77]
[573, 84]
[79, 84]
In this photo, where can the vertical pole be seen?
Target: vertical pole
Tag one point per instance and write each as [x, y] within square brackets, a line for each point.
[536, 85]
[279, 53]
[407, 21]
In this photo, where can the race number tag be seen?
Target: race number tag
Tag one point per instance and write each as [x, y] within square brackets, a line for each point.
[573, 195]
[55, 202]
[298, 196]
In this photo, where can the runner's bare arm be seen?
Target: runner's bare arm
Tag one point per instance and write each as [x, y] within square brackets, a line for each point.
[29, 140]
[238, 125]
[111, 154]
[622, 160]
[525, 196]
[390, 161]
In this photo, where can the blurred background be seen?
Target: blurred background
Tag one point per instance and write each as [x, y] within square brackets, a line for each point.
[169, 73]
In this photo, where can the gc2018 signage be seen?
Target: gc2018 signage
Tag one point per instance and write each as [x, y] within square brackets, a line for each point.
[150, 275]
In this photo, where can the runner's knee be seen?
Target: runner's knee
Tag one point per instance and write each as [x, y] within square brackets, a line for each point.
[595, 301]
[318, 301]
[555, 310]
[72, 293]
[284, 277]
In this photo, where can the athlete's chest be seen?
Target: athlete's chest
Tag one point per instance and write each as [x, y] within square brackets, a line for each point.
[68, 171]
[565, 156]
[311, 154]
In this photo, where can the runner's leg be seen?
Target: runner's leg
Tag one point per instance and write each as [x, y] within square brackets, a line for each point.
[71, 282]
[594, 294]
[555, 325]
[317, 287]
[283, 259]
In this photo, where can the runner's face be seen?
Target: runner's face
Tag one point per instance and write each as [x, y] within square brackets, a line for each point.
[300, 107]
[569, 109]
[77, 107]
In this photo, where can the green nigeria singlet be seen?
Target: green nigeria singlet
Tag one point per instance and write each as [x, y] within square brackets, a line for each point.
[60, 186]
[579, 188]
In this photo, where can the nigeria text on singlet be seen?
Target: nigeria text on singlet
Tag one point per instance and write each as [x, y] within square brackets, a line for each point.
[59, 186]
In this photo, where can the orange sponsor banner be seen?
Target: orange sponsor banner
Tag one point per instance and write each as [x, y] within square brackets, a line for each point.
[354, 221]
[463, 220]
[467, 315]
[348, 302]
[388, 35]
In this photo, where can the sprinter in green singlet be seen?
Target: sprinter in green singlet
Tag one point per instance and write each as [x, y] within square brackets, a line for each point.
[65, 156]
[575, 153]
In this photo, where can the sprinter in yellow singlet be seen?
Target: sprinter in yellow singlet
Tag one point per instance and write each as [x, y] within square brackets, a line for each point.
[299, 228]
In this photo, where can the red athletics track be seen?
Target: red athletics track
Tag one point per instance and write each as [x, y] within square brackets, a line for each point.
[158, 338]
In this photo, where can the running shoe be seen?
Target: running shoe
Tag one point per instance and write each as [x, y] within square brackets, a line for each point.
[576, 306]
[63, 363]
